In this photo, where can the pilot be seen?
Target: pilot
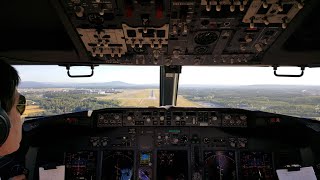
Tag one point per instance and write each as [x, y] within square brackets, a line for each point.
[12, 107]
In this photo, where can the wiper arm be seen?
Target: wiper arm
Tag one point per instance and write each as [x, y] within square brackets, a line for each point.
[35, 117]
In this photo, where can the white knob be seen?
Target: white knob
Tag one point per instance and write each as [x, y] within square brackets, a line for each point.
[241, 7]
[258, 47]
[79, 11]
[185, 29]
[251, 25]
[280, 7]
[232, 8]
[208, 7]
[248, 39]
[218, 7]
[174, 29]
[265, 20]
[243, 117]
[265, 4]
[160, 44]
[300, 5]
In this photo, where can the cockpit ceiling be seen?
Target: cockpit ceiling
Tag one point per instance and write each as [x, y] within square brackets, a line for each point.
[199, 33]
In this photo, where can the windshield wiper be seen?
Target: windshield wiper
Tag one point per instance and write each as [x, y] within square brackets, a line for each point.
[34, 117]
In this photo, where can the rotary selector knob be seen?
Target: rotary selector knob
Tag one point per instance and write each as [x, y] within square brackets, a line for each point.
[206, 140]
[258, 47]
[243, 117]
[227, 117]
[184, 139]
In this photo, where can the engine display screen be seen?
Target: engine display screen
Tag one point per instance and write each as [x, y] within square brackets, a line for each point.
[118, 165]
[220, 165]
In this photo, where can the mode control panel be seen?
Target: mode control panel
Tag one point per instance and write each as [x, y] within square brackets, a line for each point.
[175, 117]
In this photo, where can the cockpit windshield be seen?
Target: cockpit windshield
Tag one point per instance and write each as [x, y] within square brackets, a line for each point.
[253, 88]
[49, 91]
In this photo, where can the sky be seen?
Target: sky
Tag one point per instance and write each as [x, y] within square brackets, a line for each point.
[189, 75]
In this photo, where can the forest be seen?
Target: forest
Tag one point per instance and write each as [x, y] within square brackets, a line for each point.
[53, 103]
[299, 101]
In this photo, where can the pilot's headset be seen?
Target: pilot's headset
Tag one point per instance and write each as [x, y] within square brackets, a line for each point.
[4, 125]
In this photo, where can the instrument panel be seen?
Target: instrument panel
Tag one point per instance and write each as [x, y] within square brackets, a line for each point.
[173, 32]
[124, 149]
[194, 161]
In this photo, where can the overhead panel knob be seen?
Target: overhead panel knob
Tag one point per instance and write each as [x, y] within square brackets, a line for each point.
[241, 7]
[145, 30]
[160, 43]
[300, 5]
[265, 4]
[174, 29]
[208, 6]
[266, 21]
[248, 38]
[280, 7]
[185, 29]
[79, 10]
[251, 23]
[284, 23]
[218, 7]
[258, 47]
[232, 8]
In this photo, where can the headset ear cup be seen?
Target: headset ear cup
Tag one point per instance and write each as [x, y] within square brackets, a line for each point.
[4, 126]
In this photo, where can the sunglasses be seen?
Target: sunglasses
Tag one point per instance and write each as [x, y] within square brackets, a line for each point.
[21, 107]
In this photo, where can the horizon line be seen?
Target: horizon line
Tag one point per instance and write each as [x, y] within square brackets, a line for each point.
[75, 83]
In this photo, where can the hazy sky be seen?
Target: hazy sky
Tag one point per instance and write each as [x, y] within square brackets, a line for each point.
[190, 75]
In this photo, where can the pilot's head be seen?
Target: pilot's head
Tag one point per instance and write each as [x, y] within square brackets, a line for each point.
[9, 98]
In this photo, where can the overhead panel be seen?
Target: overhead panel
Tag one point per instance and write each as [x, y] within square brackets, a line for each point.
[163, 32]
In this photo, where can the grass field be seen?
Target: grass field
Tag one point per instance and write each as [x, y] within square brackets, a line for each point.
[32, 109]
[143, 98]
